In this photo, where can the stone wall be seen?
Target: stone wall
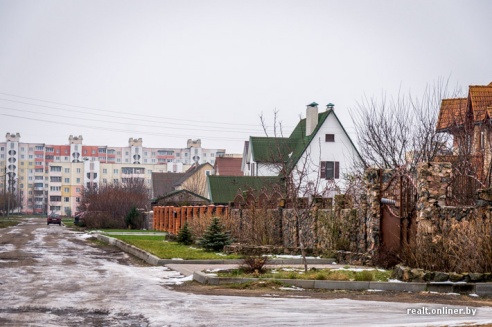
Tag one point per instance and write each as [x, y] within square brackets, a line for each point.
[347, 227]
[322, 230]
[432, 180]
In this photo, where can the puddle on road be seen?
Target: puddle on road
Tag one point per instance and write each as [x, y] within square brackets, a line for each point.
[69, 317]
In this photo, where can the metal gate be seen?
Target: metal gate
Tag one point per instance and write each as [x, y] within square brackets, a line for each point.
[398, 213]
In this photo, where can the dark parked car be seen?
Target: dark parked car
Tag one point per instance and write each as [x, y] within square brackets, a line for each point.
[54, 218]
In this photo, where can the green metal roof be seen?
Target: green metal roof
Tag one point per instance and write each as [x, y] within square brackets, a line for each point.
[269, 149]
[299, 138]
[223, 189]
[290, 149]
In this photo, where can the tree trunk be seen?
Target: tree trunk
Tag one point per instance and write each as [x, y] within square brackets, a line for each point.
[303, 252]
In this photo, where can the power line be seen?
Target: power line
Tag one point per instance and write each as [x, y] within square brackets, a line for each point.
[124, 113]
[113, 116]
[225, 130]
[120, 130]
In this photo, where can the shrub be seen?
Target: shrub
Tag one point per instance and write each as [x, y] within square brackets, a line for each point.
[134, 219]
[171, 237]
[292, 275]
[214, 238]
[464, 246]
[386, 259]
[184, 236]
[101, 219]
[254, 263]
[114, 200]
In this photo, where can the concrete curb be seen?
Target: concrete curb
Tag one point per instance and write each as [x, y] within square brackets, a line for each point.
[481, 289]
[153, 260]
[145, 256]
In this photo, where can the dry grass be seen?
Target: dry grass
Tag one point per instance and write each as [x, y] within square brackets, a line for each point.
[314, 274]
[464, 246]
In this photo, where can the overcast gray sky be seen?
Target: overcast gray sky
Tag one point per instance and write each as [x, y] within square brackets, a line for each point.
[167, 71]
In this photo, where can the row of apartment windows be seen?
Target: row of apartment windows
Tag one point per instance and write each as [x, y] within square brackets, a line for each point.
[59, 169]
[57, 198]
[65, 189]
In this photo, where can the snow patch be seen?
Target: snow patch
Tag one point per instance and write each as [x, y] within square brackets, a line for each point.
[178, 280]
[7, 248]
[291, 288]
[355, 269]
[84, 236]
[286, 256]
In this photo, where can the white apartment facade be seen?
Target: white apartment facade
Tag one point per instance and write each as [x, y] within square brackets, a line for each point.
[51, 178]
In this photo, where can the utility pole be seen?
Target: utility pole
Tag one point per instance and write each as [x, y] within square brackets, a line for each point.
[8, 196]
[4, 192]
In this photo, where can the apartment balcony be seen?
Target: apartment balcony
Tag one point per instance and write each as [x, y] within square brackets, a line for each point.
[133, 175]
[38, 188]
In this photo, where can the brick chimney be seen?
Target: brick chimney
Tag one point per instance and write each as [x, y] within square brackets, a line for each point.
[311, 118]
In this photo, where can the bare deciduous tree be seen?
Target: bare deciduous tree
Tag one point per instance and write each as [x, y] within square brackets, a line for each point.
[113, 201]
[401, 132]
[196, 183]
[301, 175]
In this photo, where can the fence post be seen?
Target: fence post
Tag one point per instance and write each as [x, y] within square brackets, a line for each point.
[373, 178]
[432, 181]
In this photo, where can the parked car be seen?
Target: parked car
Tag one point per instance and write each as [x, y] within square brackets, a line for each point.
[54, 218]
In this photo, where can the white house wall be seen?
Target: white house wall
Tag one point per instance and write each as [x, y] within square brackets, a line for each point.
[319, 150]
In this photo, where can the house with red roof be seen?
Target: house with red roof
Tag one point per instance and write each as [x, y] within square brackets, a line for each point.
[228, 166]
[468, 120]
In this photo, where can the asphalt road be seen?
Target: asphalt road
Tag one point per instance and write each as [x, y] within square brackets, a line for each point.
[51, 276]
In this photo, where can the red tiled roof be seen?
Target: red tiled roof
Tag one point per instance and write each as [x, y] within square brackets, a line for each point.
[452, 112]
[481, 99]
[228, 166]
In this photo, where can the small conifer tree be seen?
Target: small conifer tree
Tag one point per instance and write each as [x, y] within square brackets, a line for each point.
[214, 238]
[184, 236]
[131, 218]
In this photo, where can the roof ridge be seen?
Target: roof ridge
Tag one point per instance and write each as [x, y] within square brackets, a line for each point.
[481, 86]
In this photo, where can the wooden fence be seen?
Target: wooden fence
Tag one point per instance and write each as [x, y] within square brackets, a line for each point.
[170, 219]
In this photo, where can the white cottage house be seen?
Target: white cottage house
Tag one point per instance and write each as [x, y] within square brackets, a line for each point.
[319, 153]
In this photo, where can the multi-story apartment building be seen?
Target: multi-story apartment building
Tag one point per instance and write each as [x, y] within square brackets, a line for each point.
[46, 178]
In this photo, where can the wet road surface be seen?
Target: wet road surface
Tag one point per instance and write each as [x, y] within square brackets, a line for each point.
[51, 276]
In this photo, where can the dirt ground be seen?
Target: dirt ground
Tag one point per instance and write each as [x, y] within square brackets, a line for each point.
[272, 290]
